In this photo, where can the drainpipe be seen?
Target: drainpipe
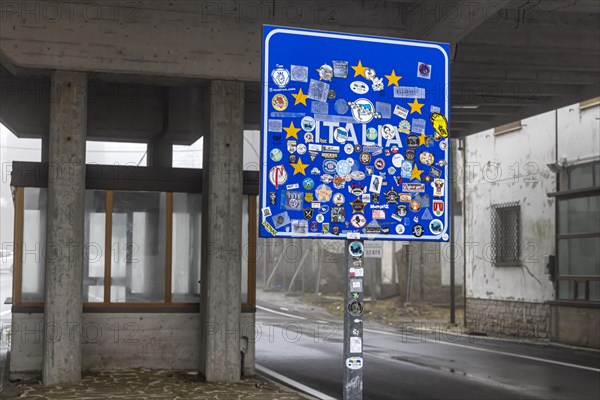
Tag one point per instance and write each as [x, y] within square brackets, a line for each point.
[463, 141]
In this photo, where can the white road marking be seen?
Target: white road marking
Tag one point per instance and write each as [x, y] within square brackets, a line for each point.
[279, 312]
[564, 364]
[283, 308]
[497, 352]
[296, 385]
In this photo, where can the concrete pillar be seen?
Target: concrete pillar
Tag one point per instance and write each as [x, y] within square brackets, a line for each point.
[64, 234]
[220, 358]
[160, 153]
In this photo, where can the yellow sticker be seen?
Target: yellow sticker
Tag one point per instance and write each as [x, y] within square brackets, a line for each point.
[269, 228]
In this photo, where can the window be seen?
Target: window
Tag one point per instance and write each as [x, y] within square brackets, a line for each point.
[506, 234]
[34, 244]
[142, 238]
[578, 234]
[94, 250]
[185, 259]
[138, 247]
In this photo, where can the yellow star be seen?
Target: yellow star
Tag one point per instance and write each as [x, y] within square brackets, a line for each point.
[416, 106]
[291, 131]
[300, 97]
[359, 69]
[416, 173]
[393, 78]
[299, 167]
[422, 139]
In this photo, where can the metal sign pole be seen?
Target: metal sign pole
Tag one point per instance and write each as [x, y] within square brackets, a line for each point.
[353, 321]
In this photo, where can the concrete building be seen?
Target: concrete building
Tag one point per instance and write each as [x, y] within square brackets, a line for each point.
[168, 73]
[532, 191]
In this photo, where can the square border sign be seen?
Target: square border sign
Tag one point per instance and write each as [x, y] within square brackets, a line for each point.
[355, 137]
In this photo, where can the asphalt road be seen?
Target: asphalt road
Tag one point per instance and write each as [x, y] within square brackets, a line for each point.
[405, 365]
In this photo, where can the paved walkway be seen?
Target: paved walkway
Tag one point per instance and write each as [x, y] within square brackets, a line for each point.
[139, 384]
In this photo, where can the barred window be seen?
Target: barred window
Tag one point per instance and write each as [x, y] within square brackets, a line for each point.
[506, 234]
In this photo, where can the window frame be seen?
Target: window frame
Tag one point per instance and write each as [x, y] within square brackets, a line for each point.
[24, 180]
[497, 224]
[575, 280]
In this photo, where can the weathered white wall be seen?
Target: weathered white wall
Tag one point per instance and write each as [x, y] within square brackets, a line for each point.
[506, 168]
[513, 167]
[579, 132]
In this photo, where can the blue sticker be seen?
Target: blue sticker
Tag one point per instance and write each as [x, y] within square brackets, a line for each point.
[316, 107]
[341, 106]
[385, 109]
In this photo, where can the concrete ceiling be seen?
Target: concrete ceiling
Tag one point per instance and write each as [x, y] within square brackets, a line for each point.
[510, 58]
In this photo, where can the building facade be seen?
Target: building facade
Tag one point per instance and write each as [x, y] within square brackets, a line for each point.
[532, 238]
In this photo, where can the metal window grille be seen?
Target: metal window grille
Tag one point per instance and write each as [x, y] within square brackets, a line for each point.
[506, 234]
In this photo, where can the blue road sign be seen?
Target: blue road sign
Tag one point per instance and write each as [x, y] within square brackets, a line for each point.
[354, 137]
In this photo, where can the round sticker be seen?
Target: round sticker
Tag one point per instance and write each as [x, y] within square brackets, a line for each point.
[415, 205]
[308, 183]
[356, 249]
[354, 363]
[380, 164]
[331, 94]
[365, 158]
[417, 230]
[278, 175]
[323, 193]
[426, 158]
[355, 308]
[436, 227]
[329, 166]
[340, 134]
[320, 218]
[402, 210]
[343, 168]
[371, 133]
[341, 106]
[301, 148]
[324, 209]
[363, 111]
[359, 87]
[348, 148]
[443, 144]
[279, 102]
[338, 199]
[388, 131]
[400, 229]
[358, 221]
[276, 155]
[281, 76]
[325, 72]
[309, 137]
[397, 160]
[308, 123]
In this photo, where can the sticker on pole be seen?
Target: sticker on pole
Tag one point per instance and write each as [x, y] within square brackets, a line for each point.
[354, 363]
[359, 124]
[355, 344]
[355, 308]
[356, 249]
